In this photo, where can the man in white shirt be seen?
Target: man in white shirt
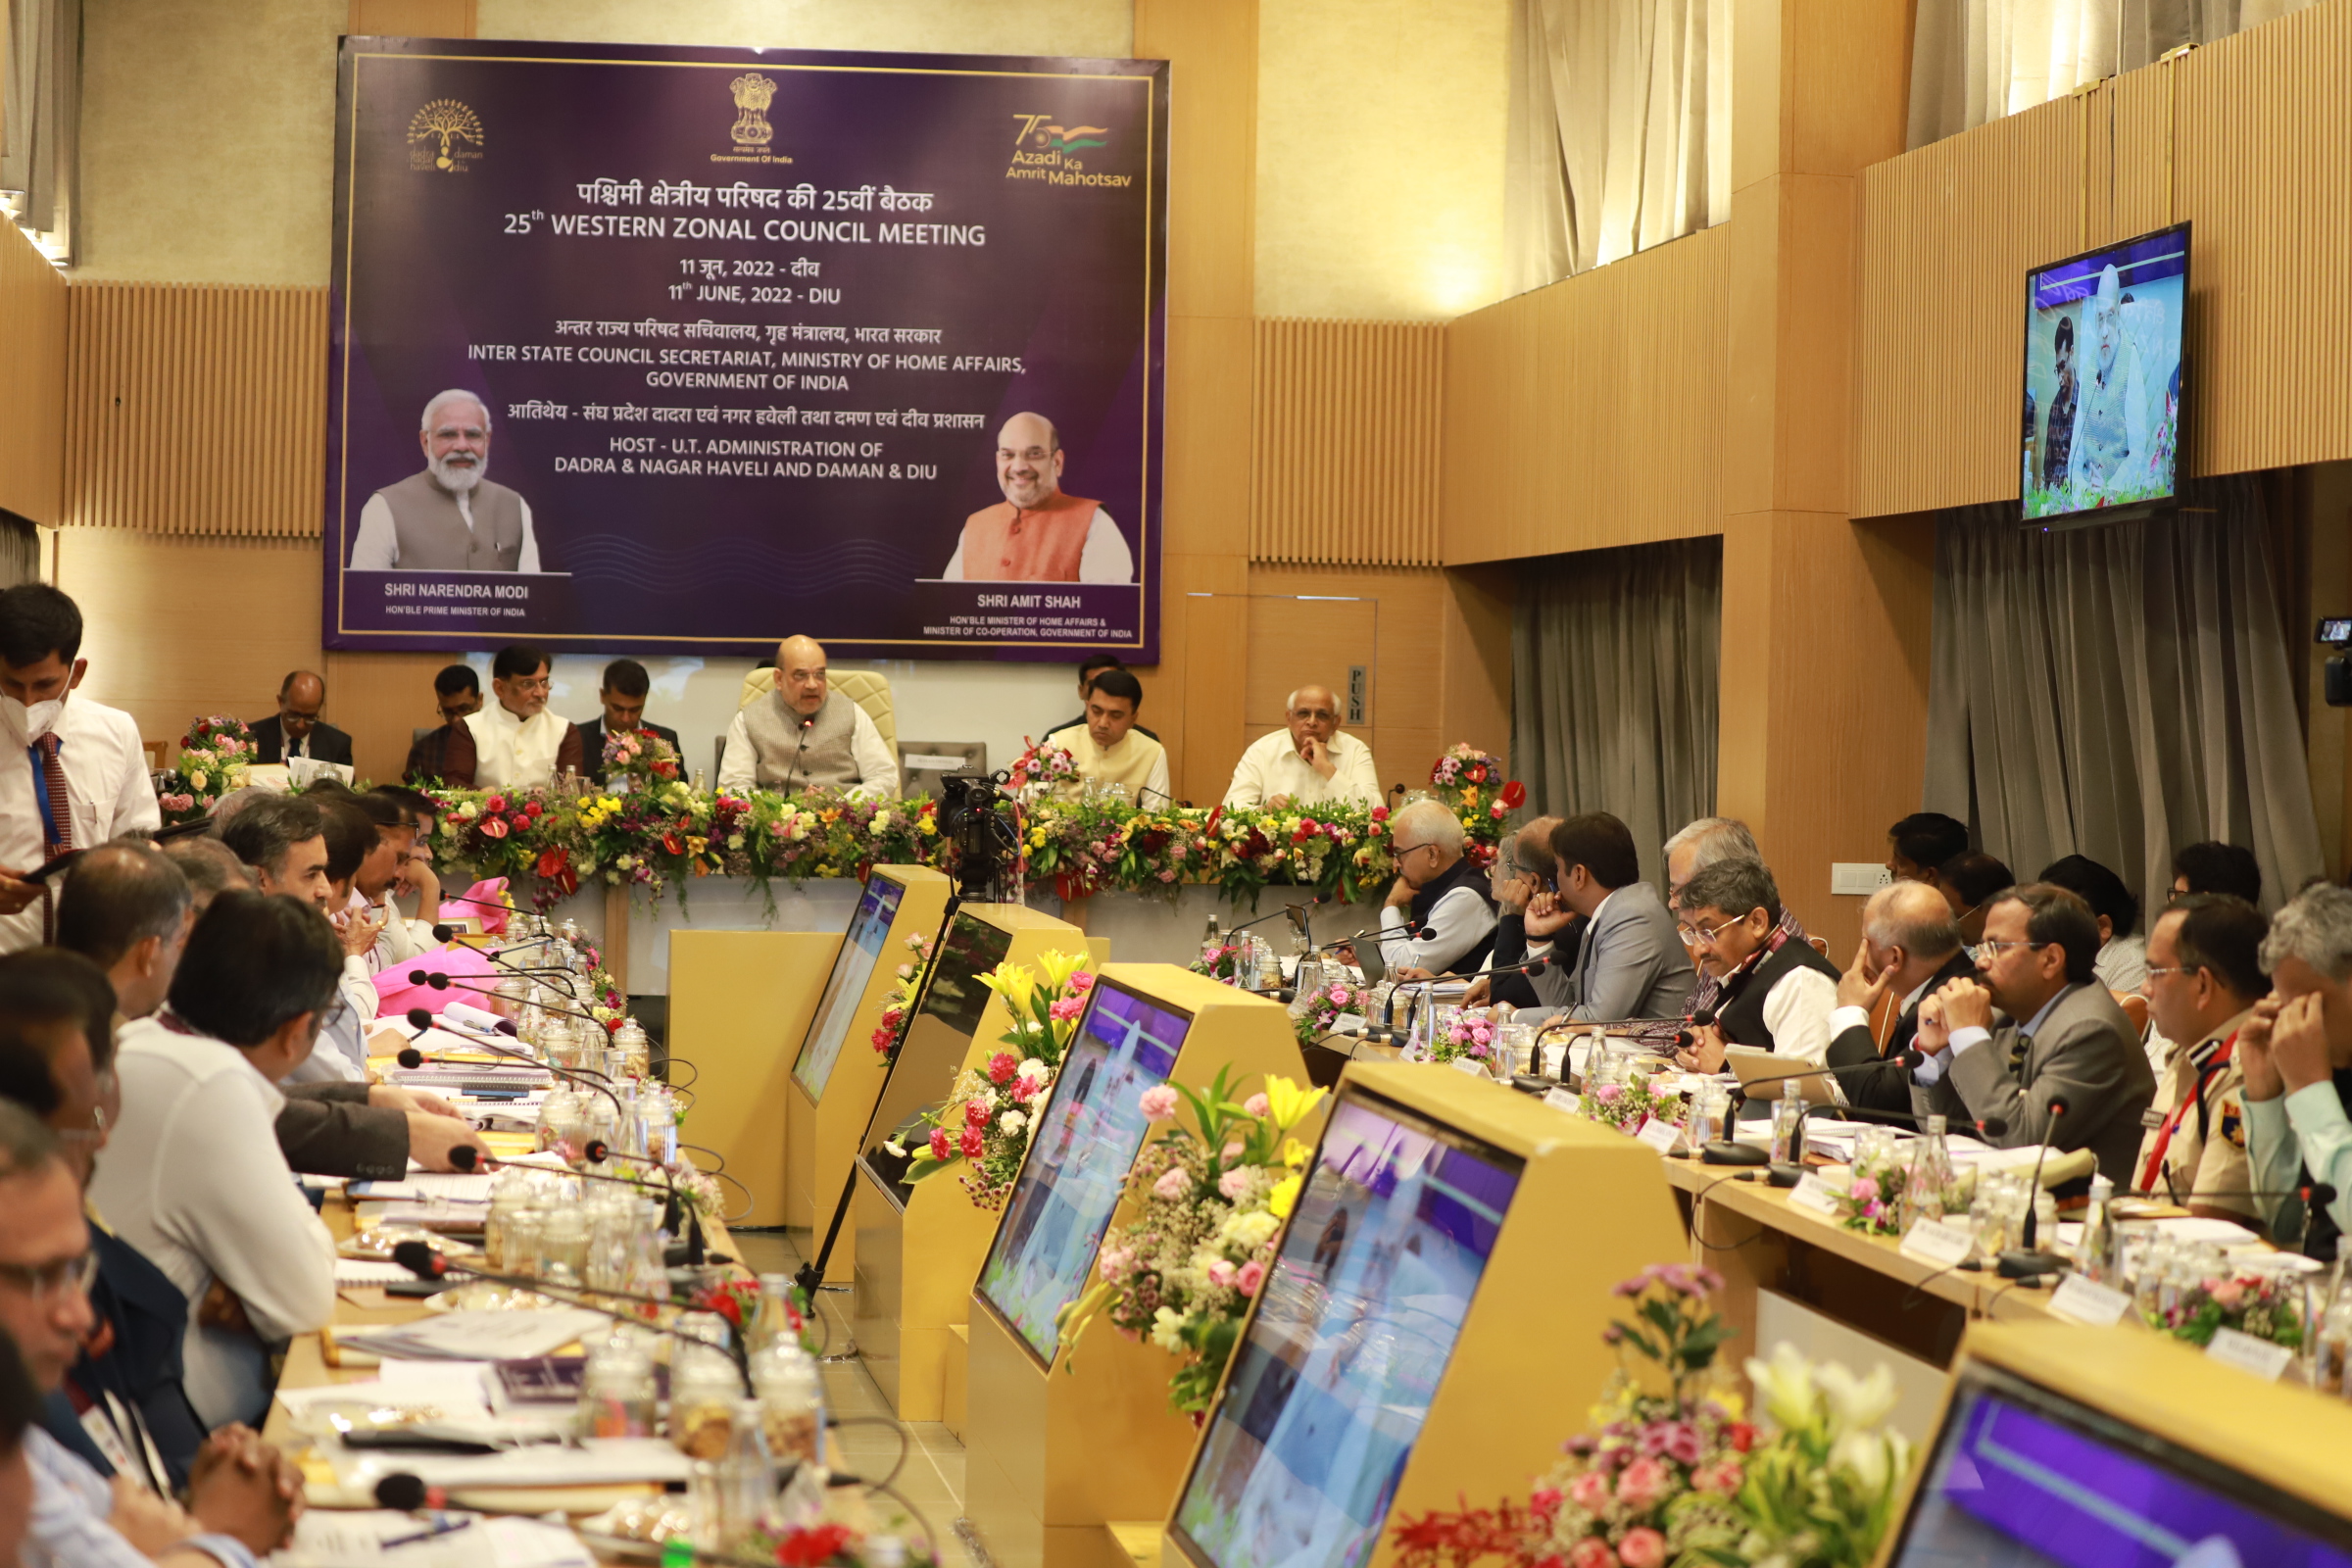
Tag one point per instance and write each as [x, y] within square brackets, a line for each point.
[1039, 532]
[448, 518]
[1438, 917]
[242, 1498]
[1306, 764]
[194, 1178]
[512, 742]
[799, 736]
[71, 772]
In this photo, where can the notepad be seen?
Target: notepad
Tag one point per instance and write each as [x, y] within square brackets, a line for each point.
[478, 1335]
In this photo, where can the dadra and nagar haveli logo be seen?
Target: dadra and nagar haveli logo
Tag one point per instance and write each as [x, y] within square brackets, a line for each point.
[1042, 150]
[445, 135]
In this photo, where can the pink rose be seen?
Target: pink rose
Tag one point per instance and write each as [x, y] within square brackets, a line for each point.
[1256, 1105]
[1233, 1184]
[1066, 1009]
[1722, 1478]
[1644, 1484]
[1590, 1492]
[1158, 1102]
[1251, 1276]
[1338, 994]
[1001, 1066]
[1606, 1093]
[1592, 1552]
[2226, 1294]
[1082, 982]
[1863, 1189]
[1114, 1262]
[1221, 1273]
[1642, 1548]
[1172, 1183]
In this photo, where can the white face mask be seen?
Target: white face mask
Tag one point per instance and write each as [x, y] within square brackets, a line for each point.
[30, 724]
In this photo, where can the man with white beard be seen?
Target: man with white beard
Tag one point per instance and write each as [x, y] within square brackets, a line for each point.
[449, 517]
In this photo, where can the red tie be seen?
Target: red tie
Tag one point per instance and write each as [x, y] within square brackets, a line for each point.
[60, 826]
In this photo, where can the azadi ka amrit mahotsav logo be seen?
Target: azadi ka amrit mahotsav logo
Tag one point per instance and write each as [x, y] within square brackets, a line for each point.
[1052, 152]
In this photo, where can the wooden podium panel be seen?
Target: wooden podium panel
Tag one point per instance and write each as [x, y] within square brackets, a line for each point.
[917, 1257]
[822, 1130]
[1589, 1208]
[1060, 1448]
[738, 1003]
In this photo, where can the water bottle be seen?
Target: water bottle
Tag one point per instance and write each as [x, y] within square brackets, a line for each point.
[747, 1480]
[2095, 1253]
[1788, 1115]
[1212, 940]
[1931, 1174]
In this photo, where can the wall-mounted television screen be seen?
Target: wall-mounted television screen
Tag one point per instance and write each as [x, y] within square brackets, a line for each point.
[2103, 378]
[2022, 1476]
[1332, 1382]
[845, 987]
[937, 1037]
[1088, 1134]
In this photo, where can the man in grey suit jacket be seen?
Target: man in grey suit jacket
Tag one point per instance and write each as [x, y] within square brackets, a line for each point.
[2076, 1045]
[1631, 963]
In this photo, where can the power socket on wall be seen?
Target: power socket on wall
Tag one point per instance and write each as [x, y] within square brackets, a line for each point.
[1859, 878]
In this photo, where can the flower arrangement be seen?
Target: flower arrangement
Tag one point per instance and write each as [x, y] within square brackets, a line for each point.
[1222, 965]
[1472, 786]
[1468, 1033]
[637, 758]
[988, 1117]
[1679, 1477]
[1622, 1106]
[1324, 1006]
[214, 756]
[1041, 766]
[1873, 1200]
[1213, 1197]
[2264, 1305]
[669, 832]
[890, 1032]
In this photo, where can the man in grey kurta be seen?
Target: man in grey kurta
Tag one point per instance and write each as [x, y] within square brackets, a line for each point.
[448, 518]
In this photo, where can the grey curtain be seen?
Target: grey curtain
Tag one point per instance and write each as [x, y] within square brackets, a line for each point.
[40, 116]
[1613, 679]
[2119, 692]
[1620, 130]
[1976, 59]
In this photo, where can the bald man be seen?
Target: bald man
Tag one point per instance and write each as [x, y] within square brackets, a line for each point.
[1039, 532]
[296, 729]
[1910, 946]
[448, 518]
[801, 736]
[1307, 763]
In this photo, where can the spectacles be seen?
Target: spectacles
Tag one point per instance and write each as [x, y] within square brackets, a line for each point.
[1702, 936]
[1997, 948]
[1401, 851]
[46, 1281]
[2181, 969]
[1319, 715]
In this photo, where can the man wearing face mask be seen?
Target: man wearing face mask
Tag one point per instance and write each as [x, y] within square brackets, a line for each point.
[448, 518]
[71, 772]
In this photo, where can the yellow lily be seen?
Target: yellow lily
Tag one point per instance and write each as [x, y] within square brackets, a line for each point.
[1284, 1195]
[1288, 1103]
[1295, 1154]
[1014, 982]
[1059, 967]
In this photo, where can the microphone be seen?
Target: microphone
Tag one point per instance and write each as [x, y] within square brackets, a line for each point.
[1731, 1152]
[449, 933]
[678, 1216]
[1387, 1030]
[442, 982]
[1320, 898]
[577, 1075]
[403, 1493]
[487, 903]
[419, 1259]
[2022, 1261]
[1408, 928]
[1701, 1018]
[1989, 1127]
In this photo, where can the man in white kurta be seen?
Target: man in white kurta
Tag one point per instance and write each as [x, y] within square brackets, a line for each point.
[46, 732]
[1307, 763]
[513, 742]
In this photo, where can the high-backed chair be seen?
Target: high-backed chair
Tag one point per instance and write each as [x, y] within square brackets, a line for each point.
[866, 688]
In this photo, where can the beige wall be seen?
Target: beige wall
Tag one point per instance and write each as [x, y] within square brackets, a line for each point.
[1380, 136]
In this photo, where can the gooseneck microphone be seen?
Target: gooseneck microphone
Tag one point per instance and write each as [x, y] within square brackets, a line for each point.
[575, 1075]
[1731, 1152]
[678, 1216]
[449, 933]
[442, 982]
[2022, 1261]
[419, 1259]
[1387, 1027]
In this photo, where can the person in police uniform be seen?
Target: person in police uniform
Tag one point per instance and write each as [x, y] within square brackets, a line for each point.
[2204, 977]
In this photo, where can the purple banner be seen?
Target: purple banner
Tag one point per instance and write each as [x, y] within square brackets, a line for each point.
[750, 343]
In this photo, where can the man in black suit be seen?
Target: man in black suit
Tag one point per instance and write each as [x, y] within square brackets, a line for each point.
[296, 730]
[624, 697]
[2071, 1042]
[1910, 946]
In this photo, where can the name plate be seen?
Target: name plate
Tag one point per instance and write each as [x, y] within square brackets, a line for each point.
[2085, 1300]
[1471, 1065]
[1660, 1134]
[1932, 1241]
[2249, 1354]
[1812, 1192]
[1566, 1100]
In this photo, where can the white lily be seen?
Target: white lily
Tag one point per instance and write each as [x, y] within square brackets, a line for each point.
[1784, 1387]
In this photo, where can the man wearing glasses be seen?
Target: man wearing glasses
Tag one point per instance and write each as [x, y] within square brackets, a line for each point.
[243, 1498]
[1772, 990]
[513, 742]
[1307, 763]
[1440, 890]
[2075, 1046]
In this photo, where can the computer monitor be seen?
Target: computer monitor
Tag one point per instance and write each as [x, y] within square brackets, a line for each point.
[937, 1037]
[1087, 1137]
[845, 987]
[1335, 1373]
[2022, 1476]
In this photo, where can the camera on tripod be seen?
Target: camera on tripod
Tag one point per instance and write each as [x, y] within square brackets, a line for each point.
[2335, 632]
[975, 818]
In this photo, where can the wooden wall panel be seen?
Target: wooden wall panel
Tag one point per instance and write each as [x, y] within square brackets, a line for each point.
[196, 409]
[2249, 139]
[1946, 234]
[412, 18]
[32, 379]
[1343, 461]
[1384, 621]
[1591, 412]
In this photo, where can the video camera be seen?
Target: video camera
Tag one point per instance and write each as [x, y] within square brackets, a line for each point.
[2335, 632]
[973, 818]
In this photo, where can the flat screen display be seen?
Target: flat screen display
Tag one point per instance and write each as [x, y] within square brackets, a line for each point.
[1333, 1381]
[1091, 1129]
[2023, 1478]
[845, 987]
[937, 1037]
[2103, 377]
